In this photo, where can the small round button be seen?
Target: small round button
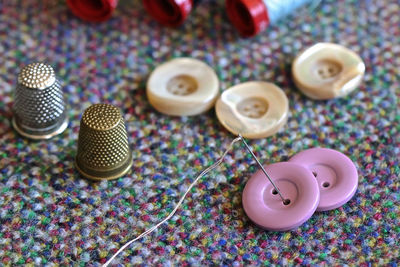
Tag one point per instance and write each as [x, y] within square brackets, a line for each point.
[335, 173]
[327, 70]
[183, 87]
[264, 206]
[253, 109]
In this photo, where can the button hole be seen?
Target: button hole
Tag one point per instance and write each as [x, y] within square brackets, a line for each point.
[315, 174]
[286, 202]
[274, 192]
[326, 184]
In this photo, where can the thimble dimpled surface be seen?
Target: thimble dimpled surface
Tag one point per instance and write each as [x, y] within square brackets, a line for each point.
[37, 75]
[103, 149]
[39, 108]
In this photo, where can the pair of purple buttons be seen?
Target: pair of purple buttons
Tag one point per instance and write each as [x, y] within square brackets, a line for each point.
[315, 179]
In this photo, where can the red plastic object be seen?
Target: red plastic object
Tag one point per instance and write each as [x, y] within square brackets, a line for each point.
[169, 12]
[248, 16]
[92, 10]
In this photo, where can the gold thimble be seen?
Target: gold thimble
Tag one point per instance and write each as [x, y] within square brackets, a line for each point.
[39, 108]
[103, 149]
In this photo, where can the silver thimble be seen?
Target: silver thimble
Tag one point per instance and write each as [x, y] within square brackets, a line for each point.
[39, 108]
[103, 149]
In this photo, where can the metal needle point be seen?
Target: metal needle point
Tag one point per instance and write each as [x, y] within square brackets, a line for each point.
[285, 201]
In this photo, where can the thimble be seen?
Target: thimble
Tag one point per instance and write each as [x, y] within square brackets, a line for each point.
[103, 149]
[39, 107]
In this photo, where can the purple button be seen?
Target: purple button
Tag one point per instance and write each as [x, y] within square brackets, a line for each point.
[264, 206]
[335, 173]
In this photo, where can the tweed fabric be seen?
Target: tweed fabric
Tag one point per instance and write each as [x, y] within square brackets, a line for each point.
[51, 216]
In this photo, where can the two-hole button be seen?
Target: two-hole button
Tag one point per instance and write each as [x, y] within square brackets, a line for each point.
[334, 172]
[264, 206]
[317, 179]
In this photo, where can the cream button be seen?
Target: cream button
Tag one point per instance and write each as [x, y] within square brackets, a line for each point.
[327, 70]
[253, 109]
[183, 87]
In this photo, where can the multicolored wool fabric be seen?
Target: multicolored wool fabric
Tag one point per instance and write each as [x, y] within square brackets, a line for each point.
[51, 216]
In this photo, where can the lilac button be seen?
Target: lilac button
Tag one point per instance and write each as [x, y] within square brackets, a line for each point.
[264, 206]
[336, 175]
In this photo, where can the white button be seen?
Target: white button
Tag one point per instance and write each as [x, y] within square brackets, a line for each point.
[253, 109]
[183, 87]
[326, 71]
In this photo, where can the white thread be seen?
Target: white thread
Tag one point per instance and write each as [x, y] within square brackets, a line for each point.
[278, 9]
[147, 232]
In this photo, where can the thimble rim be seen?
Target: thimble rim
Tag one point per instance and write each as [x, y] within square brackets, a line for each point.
[39, 85]
[58, 131]
[126, 167]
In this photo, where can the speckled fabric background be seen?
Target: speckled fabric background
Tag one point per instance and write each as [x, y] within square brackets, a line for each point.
[50, 215]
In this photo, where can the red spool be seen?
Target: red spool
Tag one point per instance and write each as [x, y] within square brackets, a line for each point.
[248, 16]
[92, 10]
[169, 12]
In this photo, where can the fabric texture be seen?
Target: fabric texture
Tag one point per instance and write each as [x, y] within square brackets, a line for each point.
[51, 216]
